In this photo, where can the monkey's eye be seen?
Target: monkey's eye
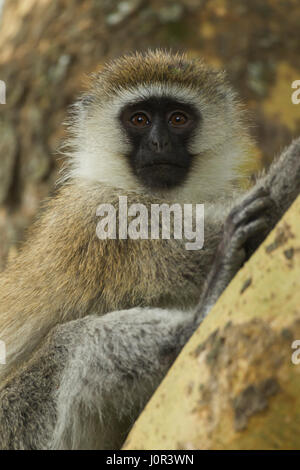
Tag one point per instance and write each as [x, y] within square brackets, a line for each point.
[140, 120]
[178, 119]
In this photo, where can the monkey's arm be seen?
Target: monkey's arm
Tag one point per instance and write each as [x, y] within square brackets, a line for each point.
[283, 179]
[88, 382]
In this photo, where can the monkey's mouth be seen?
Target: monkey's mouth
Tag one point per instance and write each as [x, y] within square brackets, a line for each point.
[162, 174]
[162, 165]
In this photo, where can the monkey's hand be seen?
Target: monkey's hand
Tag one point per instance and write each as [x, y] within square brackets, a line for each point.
[246, 223]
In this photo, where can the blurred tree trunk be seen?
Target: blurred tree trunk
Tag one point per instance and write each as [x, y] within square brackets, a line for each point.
[235, 385]
[47, 46]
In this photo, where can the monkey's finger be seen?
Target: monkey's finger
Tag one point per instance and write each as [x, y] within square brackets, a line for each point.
[260, 192]
[245, 233]
[252, 209]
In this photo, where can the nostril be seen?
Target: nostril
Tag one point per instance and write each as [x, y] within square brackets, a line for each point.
[158, 145]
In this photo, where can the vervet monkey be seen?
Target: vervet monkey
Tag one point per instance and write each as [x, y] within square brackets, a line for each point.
[91, 326]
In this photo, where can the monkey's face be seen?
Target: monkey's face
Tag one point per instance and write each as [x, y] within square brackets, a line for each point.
[159, 130]
[159, 124]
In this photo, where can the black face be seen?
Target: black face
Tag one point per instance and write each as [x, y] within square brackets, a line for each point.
[159, 130]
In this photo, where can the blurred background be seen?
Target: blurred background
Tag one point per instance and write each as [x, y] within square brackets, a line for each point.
[47, 46]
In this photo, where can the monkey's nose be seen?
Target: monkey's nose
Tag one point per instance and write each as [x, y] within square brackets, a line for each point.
[159, 145]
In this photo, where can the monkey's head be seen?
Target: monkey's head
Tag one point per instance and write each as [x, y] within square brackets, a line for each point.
[160, 123]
